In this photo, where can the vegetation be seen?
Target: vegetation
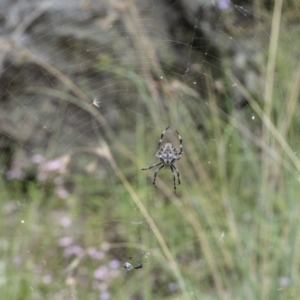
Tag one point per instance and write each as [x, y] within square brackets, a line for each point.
[230, 232]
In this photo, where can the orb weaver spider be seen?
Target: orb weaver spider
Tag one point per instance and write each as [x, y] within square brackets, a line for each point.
[167, 154]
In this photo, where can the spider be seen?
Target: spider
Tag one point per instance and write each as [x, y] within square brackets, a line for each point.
[167, 154]
[128, 266]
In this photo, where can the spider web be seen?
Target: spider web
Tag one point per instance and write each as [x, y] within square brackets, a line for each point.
[81, 114]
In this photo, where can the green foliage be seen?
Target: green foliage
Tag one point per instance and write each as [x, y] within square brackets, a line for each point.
[231, 232]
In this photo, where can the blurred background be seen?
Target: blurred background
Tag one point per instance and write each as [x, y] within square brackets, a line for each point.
[86, 89]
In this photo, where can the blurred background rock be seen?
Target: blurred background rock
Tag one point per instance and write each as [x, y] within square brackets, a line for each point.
[45, 45]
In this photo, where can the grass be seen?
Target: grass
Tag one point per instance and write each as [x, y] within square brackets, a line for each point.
[231, 232]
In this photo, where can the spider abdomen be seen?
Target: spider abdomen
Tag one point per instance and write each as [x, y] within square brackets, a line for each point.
[167, 154]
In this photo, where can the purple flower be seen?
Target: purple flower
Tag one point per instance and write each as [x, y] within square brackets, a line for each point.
[47, 279]
[53, 165]
[73, 250]
[65, 241]
[223, 4]
[61, 192]
[37, 159]
[14, 174]
[101, 273]
[65, 222]
[95, 254]
[173, 286]
[104, 296]
[284, 281]
[114, 264]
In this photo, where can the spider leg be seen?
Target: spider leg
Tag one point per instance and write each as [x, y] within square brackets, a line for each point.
[161, 137]
[154, 179]
[174, 178]
[177, 172]
[181, 147]
[151, 166]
